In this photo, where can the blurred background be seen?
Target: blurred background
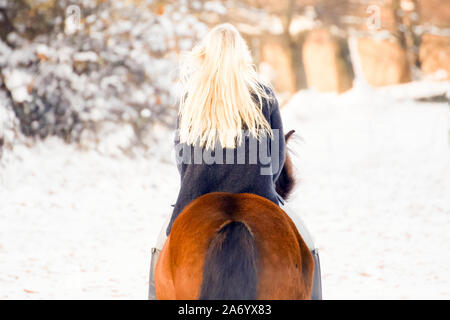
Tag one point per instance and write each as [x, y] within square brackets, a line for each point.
[88, 93]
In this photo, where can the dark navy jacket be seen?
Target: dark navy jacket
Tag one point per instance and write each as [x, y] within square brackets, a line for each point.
[242, 176]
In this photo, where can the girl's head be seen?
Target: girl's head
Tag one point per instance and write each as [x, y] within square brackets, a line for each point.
[218, 78]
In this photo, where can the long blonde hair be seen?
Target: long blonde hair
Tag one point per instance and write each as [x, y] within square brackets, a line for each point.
[218, 78]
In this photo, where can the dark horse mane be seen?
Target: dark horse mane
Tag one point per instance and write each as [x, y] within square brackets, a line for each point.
[286, 181]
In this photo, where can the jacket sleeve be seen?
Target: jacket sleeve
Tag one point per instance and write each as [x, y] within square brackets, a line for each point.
[277, 128]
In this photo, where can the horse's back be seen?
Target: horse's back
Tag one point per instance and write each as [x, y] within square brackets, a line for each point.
[285, 264]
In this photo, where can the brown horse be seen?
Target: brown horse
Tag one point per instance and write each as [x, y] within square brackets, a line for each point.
[235, 246]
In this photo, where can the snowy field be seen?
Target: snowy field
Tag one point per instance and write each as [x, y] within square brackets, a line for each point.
[374, 191]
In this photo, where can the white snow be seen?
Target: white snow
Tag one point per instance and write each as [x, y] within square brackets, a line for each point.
[79, 225]
[375, 180]
[375, 186]
[17, 81]
[87, 56]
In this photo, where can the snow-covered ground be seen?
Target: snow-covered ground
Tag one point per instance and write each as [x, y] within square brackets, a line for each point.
[374, 191]
[79, 225]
